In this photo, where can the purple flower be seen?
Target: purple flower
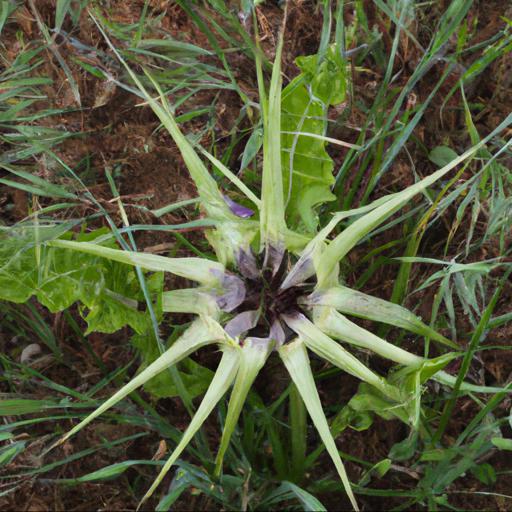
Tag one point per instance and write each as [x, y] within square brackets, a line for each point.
[238, 209]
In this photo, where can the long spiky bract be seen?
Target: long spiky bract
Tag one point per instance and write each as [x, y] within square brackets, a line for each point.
[272, 220]
[219, 385]
[287, 287]
[295, 358]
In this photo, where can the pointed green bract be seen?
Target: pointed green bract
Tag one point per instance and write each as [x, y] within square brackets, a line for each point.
[333, 352]
[202, 332]
[295, 358]
[272, 219]
[346, 240]
[219, 385]
[195, 269]
[306, 266]
[336, 325]
[190, 300]
[253, 355]
[353, 302]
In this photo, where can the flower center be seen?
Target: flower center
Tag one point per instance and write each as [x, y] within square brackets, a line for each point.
[265, 295]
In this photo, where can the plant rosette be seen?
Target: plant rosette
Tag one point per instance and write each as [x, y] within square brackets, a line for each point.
[275, 287]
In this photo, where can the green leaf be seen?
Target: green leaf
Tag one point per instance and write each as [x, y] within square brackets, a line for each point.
[484, 472]
[308, 501]
[109, 472]
[336, 325]
[379, 470]
[328, 349]
[405, 450]
[295, 358]
[10, 452]
[361, 305]
[252, 147]
[108, 292]
[405, 378]
[501, 443]
[370, 400]
[307, 167]
[195, 269]
[442, 155]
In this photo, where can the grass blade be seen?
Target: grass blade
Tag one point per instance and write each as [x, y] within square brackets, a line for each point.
[346, 240]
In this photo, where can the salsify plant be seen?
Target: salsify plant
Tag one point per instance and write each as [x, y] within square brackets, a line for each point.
[273, 287]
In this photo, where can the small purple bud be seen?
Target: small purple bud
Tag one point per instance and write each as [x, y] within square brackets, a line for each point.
[238, 209]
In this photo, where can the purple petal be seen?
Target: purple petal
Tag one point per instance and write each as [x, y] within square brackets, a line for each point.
[277, 333]
[238, 209]
[242, 323]
[246, 263]
[234, 293]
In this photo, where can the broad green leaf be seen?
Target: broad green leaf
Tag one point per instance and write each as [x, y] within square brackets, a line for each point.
[307, 167]
[348, 238]
[221, 382]
[353, 302]
[295, 358]
[253, 355]
[108, 292]
[370, 400]
[202, 332]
